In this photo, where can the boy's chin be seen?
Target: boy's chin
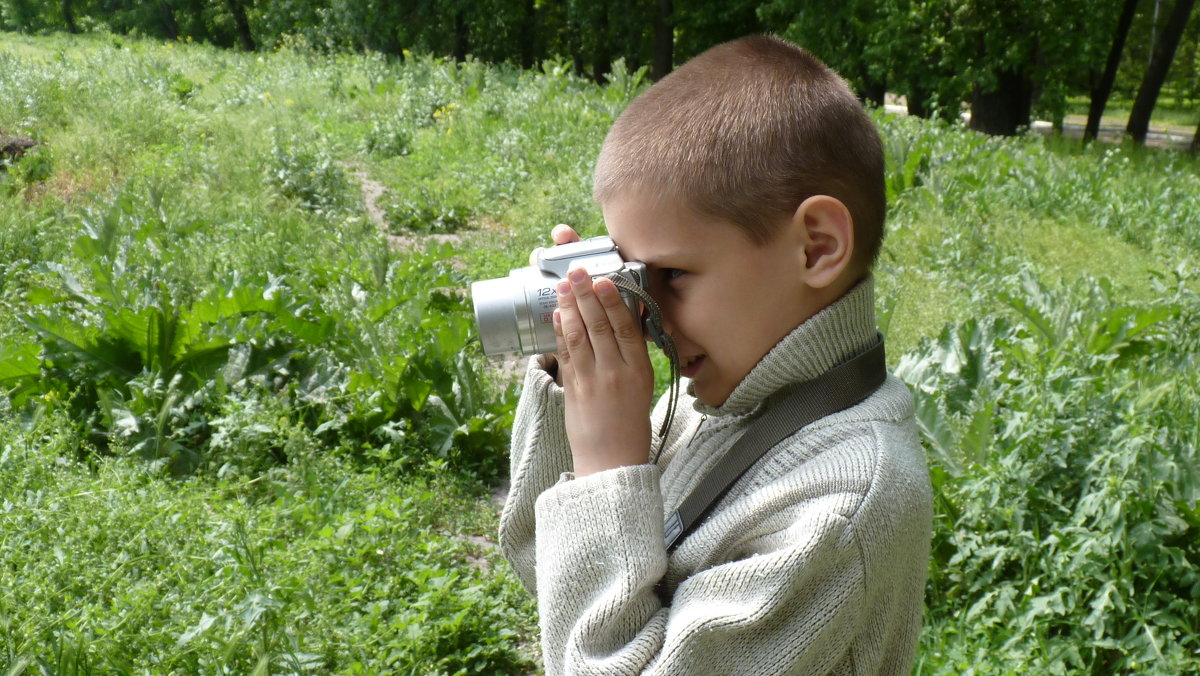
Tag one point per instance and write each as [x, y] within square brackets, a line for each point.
[709, 395]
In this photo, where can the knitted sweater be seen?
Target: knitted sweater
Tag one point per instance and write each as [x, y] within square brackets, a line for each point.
[813, 563]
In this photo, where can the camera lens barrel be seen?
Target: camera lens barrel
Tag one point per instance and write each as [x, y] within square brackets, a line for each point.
[516, 313]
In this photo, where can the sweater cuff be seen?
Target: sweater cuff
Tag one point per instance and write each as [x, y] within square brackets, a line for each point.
[618, 511]
[538, 372]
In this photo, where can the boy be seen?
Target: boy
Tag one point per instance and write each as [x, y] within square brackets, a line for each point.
[750, 182]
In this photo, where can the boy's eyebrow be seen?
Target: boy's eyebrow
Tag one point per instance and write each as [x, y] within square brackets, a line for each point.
[658, 258]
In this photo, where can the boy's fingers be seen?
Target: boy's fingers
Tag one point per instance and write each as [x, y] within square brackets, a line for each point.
[563, 234]
[575, 342]
[625, 328]
[565, 370]
[600, 330]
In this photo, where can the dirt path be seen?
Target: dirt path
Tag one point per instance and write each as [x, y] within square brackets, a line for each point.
[372, 191]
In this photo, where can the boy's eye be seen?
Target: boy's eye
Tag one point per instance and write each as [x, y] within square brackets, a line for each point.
[671, 274]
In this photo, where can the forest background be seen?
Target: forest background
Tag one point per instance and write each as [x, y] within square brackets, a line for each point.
[244, 423]
[1004, 59]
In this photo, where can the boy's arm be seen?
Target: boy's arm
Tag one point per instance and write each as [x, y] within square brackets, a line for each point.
[597, 420]
[539, 456]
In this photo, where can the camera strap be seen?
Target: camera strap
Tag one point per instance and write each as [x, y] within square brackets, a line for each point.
[782, 415]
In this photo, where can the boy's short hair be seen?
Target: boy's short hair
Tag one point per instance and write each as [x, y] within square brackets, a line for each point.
[744, 133]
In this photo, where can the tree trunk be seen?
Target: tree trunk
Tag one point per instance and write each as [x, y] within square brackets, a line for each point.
[461, 44]
[1006, 108]
[69, 16]
[917, 100]
[170, 26]
[873, 91]
[528, 33]
[575, 41]
[1195, 147]
[241, 24]
[1103, 88]
[1156, 72]
[664, 41]
[602, 57]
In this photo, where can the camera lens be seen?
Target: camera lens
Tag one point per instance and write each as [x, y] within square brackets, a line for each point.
[515, 313]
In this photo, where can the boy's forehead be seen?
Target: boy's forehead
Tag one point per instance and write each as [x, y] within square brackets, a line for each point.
[654, 229]
[652, 255]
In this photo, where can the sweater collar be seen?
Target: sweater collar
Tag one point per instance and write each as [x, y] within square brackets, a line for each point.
[837, 333]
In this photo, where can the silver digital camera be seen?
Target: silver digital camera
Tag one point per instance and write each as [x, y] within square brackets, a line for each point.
[516, 313]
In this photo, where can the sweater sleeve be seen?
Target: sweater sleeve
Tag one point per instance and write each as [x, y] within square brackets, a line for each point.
[791, 607]
[540, 455]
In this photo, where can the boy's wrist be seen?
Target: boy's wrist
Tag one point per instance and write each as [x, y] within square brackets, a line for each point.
[549, 364]
[588, 469]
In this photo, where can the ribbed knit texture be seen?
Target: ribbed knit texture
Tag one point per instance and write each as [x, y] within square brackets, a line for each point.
[813, 563]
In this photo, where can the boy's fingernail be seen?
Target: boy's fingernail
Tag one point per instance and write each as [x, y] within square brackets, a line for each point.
[563, 288]
[577, 275]
[604, 288]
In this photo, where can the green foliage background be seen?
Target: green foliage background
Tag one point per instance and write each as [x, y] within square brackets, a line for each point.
[933, 51]
[245, 427]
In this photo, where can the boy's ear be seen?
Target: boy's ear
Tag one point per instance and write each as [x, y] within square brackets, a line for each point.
[823, 231]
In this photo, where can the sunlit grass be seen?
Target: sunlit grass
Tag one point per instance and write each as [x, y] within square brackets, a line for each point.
[320, 564]
[205, 159]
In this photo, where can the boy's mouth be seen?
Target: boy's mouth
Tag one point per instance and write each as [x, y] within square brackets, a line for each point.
[688, 366]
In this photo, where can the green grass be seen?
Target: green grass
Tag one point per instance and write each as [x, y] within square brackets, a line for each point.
[319, 567]
[240, 431]
[969, 210]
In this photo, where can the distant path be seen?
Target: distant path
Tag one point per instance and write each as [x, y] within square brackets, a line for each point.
[1110, 134]
[372, 190]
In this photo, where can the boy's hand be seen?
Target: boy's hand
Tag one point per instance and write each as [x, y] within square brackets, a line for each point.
[605, 369]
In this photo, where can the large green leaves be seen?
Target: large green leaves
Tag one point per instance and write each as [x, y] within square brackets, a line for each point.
[370, 357]
[1064, 462]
